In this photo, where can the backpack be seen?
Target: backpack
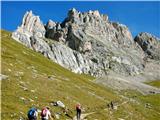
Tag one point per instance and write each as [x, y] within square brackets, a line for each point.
[44, 112]
[31, 113]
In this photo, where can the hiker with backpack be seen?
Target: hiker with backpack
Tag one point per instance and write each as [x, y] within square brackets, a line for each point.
[46, 114]
[33, 114]
[78, 110]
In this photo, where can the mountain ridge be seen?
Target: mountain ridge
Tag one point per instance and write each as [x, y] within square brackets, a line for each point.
[86, 43]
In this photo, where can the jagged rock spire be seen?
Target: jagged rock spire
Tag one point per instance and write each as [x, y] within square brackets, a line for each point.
[32, 24]
[76, 16]
[50, 24]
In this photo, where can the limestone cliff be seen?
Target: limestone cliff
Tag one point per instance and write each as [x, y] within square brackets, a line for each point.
[84, 43]
[150, 45]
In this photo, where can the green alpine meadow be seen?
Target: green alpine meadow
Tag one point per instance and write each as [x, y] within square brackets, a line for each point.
[80, 60]
[33, 80]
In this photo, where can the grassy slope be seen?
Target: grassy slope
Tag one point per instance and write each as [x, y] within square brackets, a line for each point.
[31, 71]
[155, 83]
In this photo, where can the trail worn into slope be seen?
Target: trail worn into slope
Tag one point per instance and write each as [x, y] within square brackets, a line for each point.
[83, 116]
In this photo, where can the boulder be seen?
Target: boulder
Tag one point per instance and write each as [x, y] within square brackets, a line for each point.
[3, 77]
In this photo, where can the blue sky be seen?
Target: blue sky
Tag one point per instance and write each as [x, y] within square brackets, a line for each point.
[138, 16]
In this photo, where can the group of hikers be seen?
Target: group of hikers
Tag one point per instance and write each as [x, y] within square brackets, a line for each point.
[46, 114]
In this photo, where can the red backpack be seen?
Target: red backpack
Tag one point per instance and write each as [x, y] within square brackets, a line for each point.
[44, 112]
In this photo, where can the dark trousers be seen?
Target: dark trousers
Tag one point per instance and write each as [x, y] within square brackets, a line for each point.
[32, 118]
[44, 119]
[78, 114]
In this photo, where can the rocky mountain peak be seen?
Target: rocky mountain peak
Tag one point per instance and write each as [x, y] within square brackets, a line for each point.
[32, 25]
[50, 24]
[78, 17]
[84, 43]
[150, 44]
[72, 13]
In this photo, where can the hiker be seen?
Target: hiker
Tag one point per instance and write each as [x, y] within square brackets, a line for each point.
[78, 109]
[112, 105]
[46, 114]
[33, 114]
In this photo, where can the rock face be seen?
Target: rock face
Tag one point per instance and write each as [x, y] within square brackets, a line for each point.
[150, 45]
[84, 43]
[31, 33]
[31, 26]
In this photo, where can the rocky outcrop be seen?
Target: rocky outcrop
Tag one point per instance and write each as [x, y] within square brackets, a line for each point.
[32, 33]
[104, 45]
[31, 26]
[150, 45]
[84, 43]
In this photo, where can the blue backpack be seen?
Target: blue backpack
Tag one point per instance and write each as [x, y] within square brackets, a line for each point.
[31, 113]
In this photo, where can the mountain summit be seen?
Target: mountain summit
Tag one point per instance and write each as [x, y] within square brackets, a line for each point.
[89, 43]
